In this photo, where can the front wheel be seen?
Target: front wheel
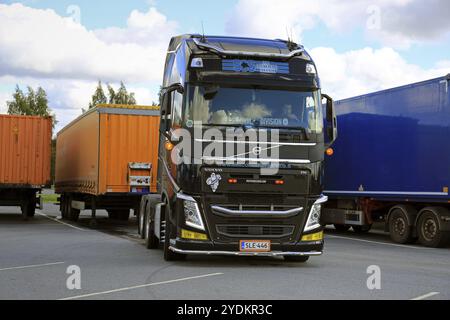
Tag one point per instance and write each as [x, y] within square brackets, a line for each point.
[296, 258]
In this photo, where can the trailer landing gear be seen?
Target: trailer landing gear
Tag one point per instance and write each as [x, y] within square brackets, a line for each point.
[93, 223]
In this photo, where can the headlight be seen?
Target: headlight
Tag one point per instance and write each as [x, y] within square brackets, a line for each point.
[313, 221]
[192, 215]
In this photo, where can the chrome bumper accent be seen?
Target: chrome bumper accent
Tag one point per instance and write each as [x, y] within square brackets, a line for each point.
[248, 254]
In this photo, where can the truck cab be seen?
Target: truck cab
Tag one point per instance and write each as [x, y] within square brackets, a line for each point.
[242, 141]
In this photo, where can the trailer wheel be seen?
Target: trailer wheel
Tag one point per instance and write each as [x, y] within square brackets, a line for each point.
[72, 214]
[141, 218]
[341, 227]
[151, 241]
[28, 206]
[399, 229]
[31, 208]
[296, 258]
[362, 229]
[429, 231]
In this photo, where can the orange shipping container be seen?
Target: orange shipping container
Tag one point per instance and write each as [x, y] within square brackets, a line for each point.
[25, 150]
[107, 150]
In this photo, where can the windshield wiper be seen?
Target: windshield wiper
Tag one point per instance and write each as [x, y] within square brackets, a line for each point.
[220, 125]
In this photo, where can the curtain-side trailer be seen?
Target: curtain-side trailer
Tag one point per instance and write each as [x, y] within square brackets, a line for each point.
[107, 159]
[391, 163]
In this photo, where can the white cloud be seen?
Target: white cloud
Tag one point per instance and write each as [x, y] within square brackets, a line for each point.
[366, 70]
[41, 48]
[41, 43]
[4, 97]
[396, 23]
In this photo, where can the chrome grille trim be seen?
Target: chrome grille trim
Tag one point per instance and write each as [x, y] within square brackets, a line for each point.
[220, 210]
[255, 231]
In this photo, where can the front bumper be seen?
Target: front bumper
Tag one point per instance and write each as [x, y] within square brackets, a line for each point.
[190, 247]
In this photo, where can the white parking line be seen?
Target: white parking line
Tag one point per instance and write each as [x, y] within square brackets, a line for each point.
[426, 296]
[32, 266]
[141, 286]
[378, 242]
[61, 222]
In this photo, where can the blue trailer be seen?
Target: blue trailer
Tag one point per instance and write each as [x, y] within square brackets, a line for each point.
[391, 162]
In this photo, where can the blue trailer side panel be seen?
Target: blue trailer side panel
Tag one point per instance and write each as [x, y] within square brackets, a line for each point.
[393, 143]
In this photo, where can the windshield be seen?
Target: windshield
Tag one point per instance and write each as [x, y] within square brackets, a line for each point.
[216, 106]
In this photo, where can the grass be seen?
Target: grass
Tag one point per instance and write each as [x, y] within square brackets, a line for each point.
[50, 198]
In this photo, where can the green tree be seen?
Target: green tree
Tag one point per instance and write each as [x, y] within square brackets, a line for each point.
[33, 103]
[98, 97]
[121, 96]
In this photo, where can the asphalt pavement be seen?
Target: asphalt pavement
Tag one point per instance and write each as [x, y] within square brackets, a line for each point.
[38, 258]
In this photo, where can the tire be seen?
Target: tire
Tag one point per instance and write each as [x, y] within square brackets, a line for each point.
[302, 259]
[72, 214]
[151, 241]
[31, 207]
[429, 232]
[341, 227]
[169, 255]
[399, 229]
[25, 208]
[141, 218]
[67, 212]
[362, 229]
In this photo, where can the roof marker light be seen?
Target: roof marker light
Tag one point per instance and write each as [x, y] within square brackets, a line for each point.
[197, 63]
[310, 68]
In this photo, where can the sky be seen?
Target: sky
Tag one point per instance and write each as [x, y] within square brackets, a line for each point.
[359, 46]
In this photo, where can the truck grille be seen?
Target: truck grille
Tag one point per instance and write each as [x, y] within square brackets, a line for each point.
[236, 231]
[250, 210]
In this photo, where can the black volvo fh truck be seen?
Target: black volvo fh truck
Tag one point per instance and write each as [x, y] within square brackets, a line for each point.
[243, 137]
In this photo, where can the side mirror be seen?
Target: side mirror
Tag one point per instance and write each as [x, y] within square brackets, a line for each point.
[166, 107]
[174, 87]
[331, 121]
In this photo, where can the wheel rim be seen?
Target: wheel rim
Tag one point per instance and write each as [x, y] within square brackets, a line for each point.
[400, 226]
[429, 229]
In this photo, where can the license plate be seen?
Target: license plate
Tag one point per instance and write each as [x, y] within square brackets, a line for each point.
[254, 245]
